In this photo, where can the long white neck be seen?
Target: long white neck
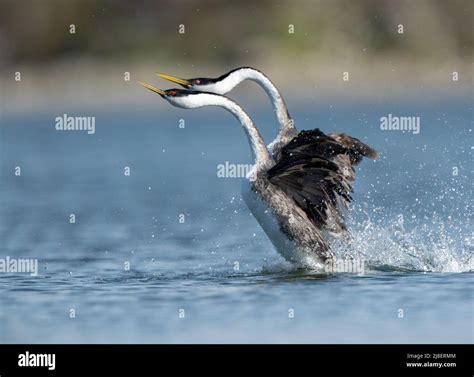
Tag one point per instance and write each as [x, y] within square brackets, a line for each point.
[257, 146]
[236, 77]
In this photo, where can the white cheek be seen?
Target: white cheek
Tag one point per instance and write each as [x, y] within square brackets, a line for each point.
[188, 102]
[178, 102]
[193, 101]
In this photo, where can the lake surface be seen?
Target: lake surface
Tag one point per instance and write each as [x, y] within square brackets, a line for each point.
[200, 267]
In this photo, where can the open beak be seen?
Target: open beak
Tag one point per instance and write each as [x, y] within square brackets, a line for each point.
[185, 83]
[153, 89]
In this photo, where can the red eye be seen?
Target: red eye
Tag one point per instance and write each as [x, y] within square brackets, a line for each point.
[172, 93]
[197, 82]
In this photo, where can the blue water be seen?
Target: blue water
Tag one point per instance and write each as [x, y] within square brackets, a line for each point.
[411, 223]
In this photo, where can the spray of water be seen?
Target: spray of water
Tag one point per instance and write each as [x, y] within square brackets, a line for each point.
[394, 244]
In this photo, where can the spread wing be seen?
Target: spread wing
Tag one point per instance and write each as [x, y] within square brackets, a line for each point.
[315, 184]
[316, 170]
[317, 143]
[356, 149]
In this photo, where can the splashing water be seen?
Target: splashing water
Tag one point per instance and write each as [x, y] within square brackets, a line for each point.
[389, 244]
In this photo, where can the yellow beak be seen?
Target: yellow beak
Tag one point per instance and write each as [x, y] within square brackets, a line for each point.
[153, 89]
[176, 80]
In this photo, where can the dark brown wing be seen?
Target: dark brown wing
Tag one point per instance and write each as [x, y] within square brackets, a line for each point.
[316, 170]
[316, 185]
[317, 143]
[313, 143]
[356, 149]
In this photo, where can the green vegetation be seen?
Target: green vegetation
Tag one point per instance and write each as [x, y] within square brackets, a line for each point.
[225, 32]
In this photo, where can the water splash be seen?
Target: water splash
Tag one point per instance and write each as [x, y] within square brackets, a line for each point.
[395, 244]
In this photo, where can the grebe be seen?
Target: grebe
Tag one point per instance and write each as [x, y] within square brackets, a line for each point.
[225, 83]
[287, 130]
[343, 150]
[293, 199]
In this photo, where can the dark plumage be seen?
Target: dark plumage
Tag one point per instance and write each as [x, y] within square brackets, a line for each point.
[299, 183]
[356, 149]
[316, 171]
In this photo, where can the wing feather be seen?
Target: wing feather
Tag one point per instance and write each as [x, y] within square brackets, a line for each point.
[316, 170]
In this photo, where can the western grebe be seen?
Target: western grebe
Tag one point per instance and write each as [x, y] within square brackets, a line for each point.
[343, 150]
[225, 83]
[291, 199]
[287, 130]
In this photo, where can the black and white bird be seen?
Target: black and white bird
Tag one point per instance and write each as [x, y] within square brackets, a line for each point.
[295, 194]
[227, 82]
[291, 144]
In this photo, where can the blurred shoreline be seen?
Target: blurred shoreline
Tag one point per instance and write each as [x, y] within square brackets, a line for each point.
[74, 55]
[89, 84]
